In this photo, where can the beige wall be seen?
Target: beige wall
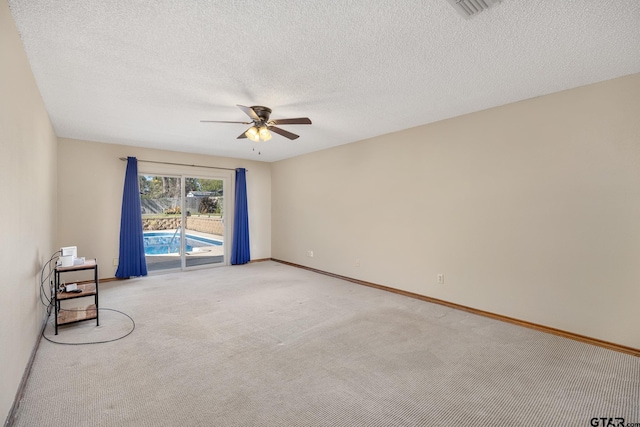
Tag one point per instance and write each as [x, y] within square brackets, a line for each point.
[90, 184]
[28, 213]
[530, 210]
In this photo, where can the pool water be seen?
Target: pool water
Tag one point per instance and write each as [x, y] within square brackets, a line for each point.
[163, 243]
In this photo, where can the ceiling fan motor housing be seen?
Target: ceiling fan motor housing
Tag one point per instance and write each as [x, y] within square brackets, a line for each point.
[262, 112]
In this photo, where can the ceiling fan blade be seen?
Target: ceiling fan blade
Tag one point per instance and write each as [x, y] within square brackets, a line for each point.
[249, 112]
[298, 121]
[283, 132]
[223, 121]
[243, 134]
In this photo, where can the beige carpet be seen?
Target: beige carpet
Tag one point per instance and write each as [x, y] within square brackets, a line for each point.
[266, 344]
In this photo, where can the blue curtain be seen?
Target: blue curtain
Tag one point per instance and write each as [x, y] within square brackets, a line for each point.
[131, 261]
[240, 253]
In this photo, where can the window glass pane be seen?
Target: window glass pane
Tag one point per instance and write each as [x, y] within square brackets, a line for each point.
[204, 231]
[160, 197]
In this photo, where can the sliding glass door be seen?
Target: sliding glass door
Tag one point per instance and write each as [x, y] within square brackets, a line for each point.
[183, 221]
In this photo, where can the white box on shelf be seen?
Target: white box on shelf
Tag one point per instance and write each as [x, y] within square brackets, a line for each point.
[69, 251]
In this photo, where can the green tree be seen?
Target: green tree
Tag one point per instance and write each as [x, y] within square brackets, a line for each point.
[144, 186]
[208, 205]
[192, 184]
[158, 187]
[212, 185]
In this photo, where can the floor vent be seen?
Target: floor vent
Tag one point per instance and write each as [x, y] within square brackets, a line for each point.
[470, 8]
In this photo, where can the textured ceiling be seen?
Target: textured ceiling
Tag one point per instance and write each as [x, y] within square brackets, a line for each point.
[145, 72]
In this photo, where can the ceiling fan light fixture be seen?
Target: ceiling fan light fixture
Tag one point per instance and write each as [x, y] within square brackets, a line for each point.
[253, 134]
[265, 135]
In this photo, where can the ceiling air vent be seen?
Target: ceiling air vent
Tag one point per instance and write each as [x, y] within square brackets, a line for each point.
[470, 8]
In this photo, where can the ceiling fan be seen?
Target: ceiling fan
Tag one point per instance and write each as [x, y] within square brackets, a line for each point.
[261, 125]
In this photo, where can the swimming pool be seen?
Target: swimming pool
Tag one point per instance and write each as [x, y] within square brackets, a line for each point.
[164, 243]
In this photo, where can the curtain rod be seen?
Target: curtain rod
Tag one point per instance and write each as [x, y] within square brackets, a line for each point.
[124, 159]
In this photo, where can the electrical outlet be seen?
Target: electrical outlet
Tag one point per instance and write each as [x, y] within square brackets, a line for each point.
[357, 263]
[310, 254]
[115, 262]
[441, 278]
